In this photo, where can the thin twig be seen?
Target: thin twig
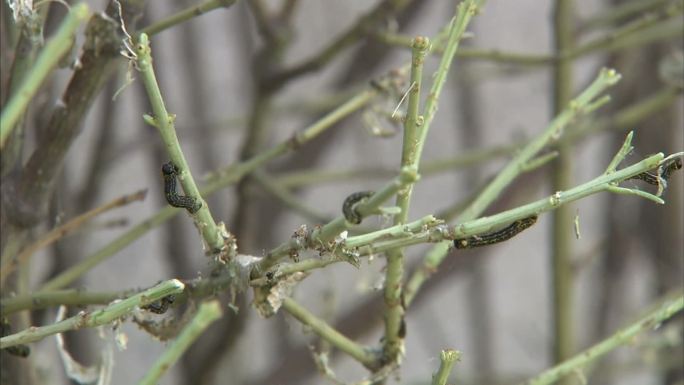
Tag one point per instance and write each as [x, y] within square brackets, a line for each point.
[214, 237]
[73, 297]
[208, 313]
[562, 178]
[621, 337]
[384, 9]
[47, 60]
[9, 264]
[410, 159]
[95, 318]
[447, 359]
[362, 354]
[185, 15]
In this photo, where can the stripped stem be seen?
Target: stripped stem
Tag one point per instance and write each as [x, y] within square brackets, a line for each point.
[204, 221]
[447, 359]
[47, 60]
[9, 264]
[185, 15]
[95, 318]
[410, 159]
[208, 313]
[362, 354]
[621, 337]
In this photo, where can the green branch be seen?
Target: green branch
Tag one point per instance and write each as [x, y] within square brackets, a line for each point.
[47, 60]
[447, 359]
[287, 198]
[383, 10]
[562, 178]
[621, 337]
[329, 334]
[347, 247]
[208, 313]
[211, 233]
[185, 15]
[492, 55]
[622, 11]
[95, 318]
[650, 27]
[410, 159]
[71, 297]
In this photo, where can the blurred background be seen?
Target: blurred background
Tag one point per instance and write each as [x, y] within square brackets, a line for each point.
[494, 304]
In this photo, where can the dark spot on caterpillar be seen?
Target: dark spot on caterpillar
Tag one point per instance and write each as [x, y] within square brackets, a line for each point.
[22, 351]
[667, 170]
[504, 234]
[402, 329]
[169, 172]
[16, 350]
[161, 306]
[350, 214]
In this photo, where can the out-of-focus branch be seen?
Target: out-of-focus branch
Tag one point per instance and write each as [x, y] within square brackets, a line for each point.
[185, 15]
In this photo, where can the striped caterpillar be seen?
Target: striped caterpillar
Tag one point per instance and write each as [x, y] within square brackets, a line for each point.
[161, 306]
[667, 170]
[169, 172]
[350, 214]
[504, 234]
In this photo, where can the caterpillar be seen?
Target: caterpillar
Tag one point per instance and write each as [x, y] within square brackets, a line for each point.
[504, 234]
[667, 170]
[169, 172]
[161, 306]
[16, 350]
[348, 209]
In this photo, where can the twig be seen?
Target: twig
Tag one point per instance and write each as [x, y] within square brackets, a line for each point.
[650, 27]
[95, 318]
[413, 140]
[211, 233]
[185, 15]
[47, 60]
[562, 178]
[287, 198]
[208, 313]
[73, 297]
[11, 263]
[427, 168]
[493, 55]
[26, 37]
[362, 354]
[621, 11]
[621, 154]
[447, 359]
[349, 37]
[621, 337]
